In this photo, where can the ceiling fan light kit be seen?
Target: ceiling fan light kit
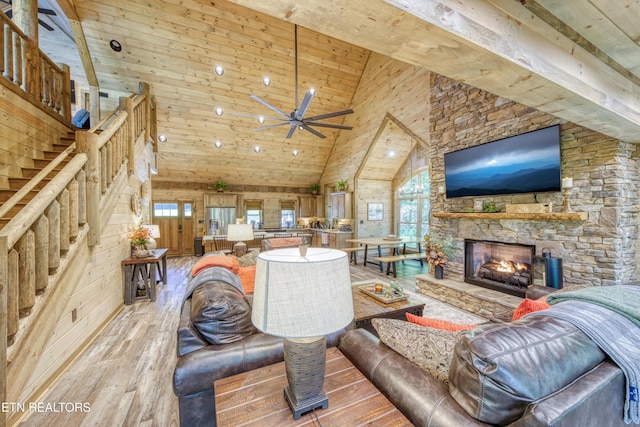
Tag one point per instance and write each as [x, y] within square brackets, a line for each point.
[297, 117]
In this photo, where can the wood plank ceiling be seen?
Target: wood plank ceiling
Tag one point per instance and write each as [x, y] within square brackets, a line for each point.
[175, 46]
[578, 60]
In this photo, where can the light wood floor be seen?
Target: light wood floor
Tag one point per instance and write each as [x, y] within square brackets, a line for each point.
[125, 374]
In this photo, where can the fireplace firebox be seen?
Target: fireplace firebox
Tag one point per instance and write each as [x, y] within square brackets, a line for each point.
[504, 267]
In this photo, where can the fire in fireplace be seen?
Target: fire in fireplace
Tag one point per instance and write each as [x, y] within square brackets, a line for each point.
[504, 267]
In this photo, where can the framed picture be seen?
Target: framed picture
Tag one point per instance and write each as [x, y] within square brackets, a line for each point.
[374, 211]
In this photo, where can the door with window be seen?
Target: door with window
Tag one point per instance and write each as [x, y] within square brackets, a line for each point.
[176, 223]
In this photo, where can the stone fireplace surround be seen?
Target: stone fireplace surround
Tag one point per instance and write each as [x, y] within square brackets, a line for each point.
[597, 250]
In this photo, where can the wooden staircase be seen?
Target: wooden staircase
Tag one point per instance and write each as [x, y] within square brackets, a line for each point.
[27, 174]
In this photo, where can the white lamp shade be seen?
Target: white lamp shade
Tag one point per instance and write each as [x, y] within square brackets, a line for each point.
[302, 297]
[239, 232]
[154, 230]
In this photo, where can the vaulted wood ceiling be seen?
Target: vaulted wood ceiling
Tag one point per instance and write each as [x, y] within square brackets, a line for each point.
[579, 60]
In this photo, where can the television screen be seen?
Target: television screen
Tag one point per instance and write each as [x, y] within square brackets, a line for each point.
[525, 163]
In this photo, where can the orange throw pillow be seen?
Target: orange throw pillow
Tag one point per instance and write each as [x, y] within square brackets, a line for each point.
[248, 278]
[529, 306]
[228, 262]
[444, 325]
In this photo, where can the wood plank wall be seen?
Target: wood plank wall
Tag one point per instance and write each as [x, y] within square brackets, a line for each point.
[387, 86]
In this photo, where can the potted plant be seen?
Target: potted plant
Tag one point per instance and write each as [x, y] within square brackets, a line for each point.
[315, 188]
[220, 186]
[438, 251]
[342, 185]
[139, 237]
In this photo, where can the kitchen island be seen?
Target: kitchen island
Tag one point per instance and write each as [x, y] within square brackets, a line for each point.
[316, 237]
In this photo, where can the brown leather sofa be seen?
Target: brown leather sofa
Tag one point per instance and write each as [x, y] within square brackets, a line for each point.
[537, 371]
[216, 339]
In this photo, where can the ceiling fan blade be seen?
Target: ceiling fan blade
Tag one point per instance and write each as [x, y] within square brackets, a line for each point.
[291, 131]
[328, 125]
[329, 115]
[271, 126]
[266, 104]
[47, 12]
[313, 131]
[306, 101]
[45, 25]
[253, 116]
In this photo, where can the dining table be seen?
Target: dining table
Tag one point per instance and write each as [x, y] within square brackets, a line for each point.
[398, 245]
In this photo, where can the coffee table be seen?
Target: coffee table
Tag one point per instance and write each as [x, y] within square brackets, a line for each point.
[366, 308]
[255, 398]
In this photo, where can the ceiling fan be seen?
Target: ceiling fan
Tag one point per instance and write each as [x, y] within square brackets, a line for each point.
[297, 119]
[44, 11]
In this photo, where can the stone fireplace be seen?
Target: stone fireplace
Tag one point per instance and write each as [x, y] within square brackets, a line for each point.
[504, 267]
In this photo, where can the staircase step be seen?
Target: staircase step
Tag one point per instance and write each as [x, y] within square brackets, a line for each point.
[42, 163]
[7, 194]
[31, 172]
[18, 183]
[14, 211]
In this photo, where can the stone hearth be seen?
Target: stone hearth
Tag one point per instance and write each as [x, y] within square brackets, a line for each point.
[481, 301]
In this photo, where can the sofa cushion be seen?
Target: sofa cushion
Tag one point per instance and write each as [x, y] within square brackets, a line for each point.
[529, 306]
[248, 278]
[228, 262]
[499, 369]
[220, 313]
[445, 325]
[429, 348]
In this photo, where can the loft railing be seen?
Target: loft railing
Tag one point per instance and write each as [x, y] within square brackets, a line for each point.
[40, 80]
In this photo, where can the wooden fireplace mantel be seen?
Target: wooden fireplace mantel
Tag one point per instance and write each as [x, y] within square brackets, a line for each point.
[549, 216]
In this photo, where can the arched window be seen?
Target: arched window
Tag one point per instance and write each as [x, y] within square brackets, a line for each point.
[414, 206]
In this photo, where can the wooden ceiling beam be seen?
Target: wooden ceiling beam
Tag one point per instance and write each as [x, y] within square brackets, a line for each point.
[498, 46]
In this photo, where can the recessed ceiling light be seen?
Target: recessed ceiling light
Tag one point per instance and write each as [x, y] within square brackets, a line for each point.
[162, 138]
[219, 70]
[257, 148]
[295, 153]
[261, 120]
[115, 45]
[218, 143]
[266, 81]
[391, 153]
[312, 91]
[219, 111]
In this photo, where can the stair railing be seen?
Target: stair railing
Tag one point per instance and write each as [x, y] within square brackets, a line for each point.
[33, 242]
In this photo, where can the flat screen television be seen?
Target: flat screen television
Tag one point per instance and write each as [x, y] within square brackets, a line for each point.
[525, 163]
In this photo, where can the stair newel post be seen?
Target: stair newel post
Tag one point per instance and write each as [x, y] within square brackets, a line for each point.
[126, 104]
[65, 108]
[25, 16]
[144, 89]
[87, 142]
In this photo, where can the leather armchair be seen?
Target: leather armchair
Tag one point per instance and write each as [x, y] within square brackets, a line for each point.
[200, 363]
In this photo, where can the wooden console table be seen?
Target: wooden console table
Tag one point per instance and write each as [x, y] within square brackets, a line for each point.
[255, 398]
[144, 270]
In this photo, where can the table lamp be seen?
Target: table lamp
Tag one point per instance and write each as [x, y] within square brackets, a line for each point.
[303, 298]
[239, 233]
[154, 231]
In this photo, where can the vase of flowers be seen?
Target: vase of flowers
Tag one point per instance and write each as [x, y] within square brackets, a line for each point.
[438, 251]
[139, 237]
